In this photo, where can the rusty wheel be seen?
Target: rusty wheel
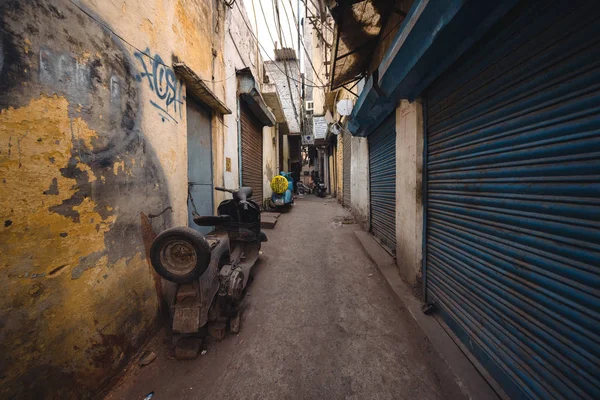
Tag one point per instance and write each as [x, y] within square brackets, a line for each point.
[180, 254]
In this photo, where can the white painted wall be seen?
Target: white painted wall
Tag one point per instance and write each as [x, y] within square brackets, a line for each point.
[285, 148]
[289, 97]
[409, 204]
[359, 182]
[240, 52]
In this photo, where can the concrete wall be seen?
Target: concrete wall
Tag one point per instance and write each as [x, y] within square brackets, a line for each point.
[288, 94]
[359, 191]
[240, 52]
[409, 204]
[92, 140]
[285, 148]
[315, 68]
[270, 158]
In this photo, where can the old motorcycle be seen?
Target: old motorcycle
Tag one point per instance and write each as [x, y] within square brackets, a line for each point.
[211, 271]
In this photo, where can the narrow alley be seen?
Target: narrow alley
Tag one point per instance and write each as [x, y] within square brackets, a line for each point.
[319, 323]
[427, 174]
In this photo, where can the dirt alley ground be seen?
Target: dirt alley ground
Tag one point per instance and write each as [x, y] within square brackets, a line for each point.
[320, 323]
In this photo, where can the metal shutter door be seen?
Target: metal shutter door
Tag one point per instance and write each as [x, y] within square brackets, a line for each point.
[252, 154]
[382, 177]
[347, 162]
[513, 215]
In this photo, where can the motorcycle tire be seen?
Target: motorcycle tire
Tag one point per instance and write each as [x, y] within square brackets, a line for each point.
[180, 254]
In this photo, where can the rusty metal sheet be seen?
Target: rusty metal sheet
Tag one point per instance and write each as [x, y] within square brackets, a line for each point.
[252, 153]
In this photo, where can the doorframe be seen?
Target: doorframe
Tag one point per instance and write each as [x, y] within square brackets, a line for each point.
[210, 112]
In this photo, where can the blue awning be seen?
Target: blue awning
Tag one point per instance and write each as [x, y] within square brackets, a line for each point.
[434, 34]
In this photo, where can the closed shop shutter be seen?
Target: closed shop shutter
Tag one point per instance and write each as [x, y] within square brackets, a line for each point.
[513, 200]
[347, 165]
[252, 153]
[382, 179]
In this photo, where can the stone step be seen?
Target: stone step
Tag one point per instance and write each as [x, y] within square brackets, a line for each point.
[268, 221]
[270, 214]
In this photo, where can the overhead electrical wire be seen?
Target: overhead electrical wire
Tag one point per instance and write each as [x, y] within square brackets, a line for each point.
[287, 19]
[115, 34]
[274, 46]
[306, 50]
[270, 59]
[314, 15]
[121, 38]
[266, 21]
[312, 84]
[345, 60]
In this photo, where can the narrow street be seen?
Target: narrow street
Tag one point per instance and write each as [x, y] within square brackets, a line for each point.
[320, 323]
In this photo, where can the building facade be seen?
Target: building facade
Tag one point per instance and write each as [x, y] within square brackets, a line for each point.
[480, 139]
[116, 121]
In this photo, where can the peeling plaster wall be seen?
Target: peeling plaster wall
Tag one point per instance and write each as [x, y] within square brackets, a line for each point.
[359, 184]
[409, 199]
[92, 140]
[289, 98]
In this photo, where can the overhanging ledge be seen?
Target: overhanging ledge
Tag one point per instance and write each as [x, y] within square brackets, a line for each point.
[431, 38]
[250, 94]
[197, 88]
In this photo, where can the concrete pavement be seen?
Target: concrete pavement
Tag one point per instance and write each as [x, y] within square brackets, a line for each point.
[320, 323]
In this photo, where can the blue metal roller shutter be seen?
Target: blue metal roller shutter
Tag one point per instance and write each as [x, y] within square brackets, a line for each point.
[382, 176]
[513, 200]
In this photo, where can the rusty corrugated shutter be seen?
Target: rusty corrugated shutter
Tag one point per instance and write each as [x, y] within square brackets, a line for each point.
[513, 200]
[252, 153]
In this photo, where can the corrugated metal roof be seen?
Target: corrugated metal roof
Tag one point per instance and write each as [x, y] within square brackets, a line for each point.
[285, 54]
[358, 28]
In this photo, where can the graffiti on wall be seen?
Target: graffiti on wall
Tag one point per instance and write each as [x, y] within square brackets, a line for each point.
[77, 171]
[163, 83]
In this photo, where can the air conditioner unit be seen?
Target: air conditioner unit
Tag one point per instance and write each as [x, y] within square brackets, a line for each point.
[310, 106]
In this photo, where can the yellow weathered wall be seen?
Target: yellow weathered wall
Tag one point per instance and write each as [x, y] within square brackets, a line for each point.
[270, 158]
[92, 140]
[339, 167]
[331, 178]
